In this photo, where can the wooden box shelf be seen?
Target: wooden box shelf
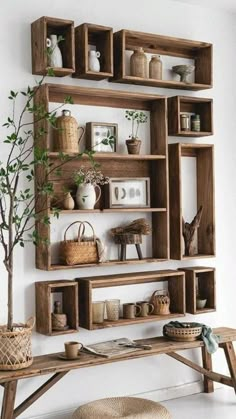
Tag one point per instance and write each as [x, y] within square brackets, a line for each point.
[102, 38]
[154, 165]
[199, 52]
[191, 105]
[44, 306]
[205, 197]
[203, 279]
[176, 287]
[41, 29]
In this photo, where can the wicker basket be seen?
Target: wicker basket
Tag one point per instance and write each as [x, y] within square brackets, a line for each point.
[161, 301]
[15, 346]
[80, 251]
[183, 334]
[66, 138]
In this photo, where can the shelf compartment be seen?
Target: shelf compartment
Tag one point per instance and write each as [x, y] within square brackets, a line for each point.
[186, 104]
[200, 52]
[44, 293]
[202, 278]
[102, 38]
[153, 165]
[205, 197]
[43, 28]
[176, 287]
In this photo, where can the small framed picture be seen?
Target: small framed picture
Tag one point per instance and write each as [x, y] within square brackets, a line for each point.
[101, 137]
[129, 192]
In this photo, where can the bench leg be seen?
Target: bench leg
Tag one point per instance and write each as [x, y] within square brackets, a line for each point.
[207, 364]
[231, 360]
[9, 400]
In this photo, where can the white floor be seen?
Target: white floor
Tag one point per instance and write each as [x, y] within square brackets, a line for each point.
[218, 405]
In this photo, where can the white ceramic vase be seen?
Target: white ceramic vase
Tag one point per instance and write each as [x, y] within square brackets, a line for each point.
[55, 58]
[86, 195]
[93, 61]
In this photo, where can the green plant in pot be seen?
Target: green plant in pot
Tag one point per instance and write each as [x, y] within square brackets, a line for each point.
[18, 209]
[136, 118]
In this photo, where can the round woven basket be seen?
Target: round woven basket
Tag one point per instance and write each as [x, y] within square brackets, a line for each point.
[15, 346]
[122, 407]
[183, 334]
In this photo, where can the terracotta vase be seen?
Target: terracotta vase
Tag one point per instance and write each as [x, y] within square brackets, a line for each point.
[133, 145]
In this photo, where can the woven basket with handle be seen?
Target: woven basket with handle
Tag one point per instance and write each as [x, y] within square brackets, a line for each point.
[80, 251]
[188, 333]
[161, 301]
[15, 346]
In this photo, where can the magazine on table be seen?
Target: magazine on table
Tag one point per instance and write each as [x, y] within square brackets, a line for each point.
[114, 347]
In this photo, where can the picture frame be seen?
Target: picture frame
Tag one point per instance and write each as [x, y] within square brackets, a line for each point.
[96, 132]
[128, 193]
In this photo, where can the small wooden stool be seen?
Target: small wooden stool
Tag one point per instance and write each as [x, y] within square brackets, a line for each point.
[122, 407]
[127, 238]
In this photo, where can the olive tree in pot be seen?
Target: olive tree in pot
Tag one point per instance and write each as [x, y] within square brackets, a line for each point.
[17, 209]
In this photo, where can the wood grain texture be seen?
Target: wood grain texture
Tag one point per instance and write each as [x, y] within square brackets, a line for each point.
[9, 400]
[207, 364]
[231, 360]
[176, 287]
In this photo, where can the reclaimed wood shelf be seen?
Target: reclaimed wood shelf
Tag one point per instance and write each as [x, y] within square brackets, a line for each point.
[51, 364]
[178, 105]
[41, 29]
[153, 165]
[44, 305]
[176, 287]
[205, 197]
[100, 37]
[201, 279]
[199, 52]
[111, 210]
[55, 267]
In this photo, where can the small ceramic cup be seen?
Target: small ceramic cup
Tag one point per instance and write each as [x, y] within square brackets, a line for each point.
[113, 309]
[98, 309]
[72, 349]
[201, 302]
[146, 308]
[131, 310]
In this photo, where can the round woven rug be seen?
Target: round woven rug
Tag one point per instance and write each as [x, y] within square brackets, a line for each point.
[122, 407]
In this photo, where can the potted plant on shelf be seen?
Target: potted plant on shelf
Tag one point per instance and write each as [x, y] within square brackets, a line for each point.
[18, 212]
[87, 181]
[136, 118]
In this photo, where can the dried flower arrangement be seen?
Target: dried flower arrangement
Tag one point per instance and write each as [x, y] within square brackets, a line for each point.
[93, 176]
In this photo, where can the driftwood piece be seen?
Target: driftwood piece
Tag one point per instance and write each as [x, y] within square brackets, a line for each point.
[189, 230]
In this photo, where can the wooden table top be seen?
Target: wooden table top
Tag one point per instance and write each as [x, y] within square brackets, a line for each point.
[51, 363]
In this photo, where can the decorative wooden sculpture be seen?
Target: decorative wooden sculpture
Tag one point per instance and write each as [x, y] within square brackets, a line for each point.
[189, 232]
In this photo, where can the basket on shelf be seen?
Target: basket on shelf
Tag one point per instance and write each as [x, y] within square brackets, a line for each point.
[15, 346]
[187, 333]
[81, 250]
[161, 301]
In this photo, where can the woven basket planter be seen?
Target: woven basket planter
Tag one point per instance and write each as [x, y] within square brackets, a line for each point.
[183, 334]
[15, 346]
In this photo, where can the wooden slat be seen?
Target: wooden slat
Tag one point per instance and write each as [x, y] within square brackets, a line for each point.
[9, 400]
[219, 378]
[38, 393]
[231, 360]
[207, 364]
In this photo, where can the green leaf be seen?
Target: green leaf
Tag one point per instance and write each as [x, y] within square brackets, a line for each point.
[50, 72]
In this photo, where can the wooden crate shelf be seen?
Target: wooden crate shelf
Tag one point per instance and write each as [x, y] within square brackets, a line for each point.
[205, 197]
[102, 38]
[202, 278]
[153, 165]
[41, 29]
[176, 287]
[199, 52]
[44, 307]
[186, 104]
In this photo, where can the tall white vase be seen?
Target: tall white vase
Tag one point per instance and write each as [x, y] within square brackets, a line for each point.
[55, 58]
[86, 195]
[93, 61]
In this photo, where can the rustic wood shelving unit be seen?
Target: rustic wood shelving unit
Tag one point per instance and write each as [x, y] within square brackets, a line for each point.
[186, 104]
[205, 197]
[44, 291]
[41, 29]
[101, 37]
[200, 52]
[176, 287]
[204, 279]
[154, 165]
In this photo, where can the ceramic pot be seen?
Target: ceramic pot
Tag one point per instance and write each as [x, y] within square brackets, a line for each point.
[86, 195]
[138, 63]
[68, 202]
[133, 145]
[201, 302]
[155, 68]
[93, 61]
[55, 58]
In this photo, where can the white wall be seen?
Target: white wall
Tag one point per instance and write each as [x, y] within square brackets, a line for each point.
[154, 16]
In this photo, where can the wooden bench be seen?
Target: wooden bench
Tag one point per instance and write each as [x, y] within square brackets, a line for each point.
[51, 364]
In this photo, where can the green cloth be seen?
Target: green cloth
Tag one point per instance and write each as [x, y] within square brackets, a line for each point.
[210, 340]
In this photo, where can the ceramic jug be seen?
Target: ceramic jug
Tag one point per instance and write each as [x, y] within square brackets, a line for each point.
[86, 195]
[94, 64]
[55, 57]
